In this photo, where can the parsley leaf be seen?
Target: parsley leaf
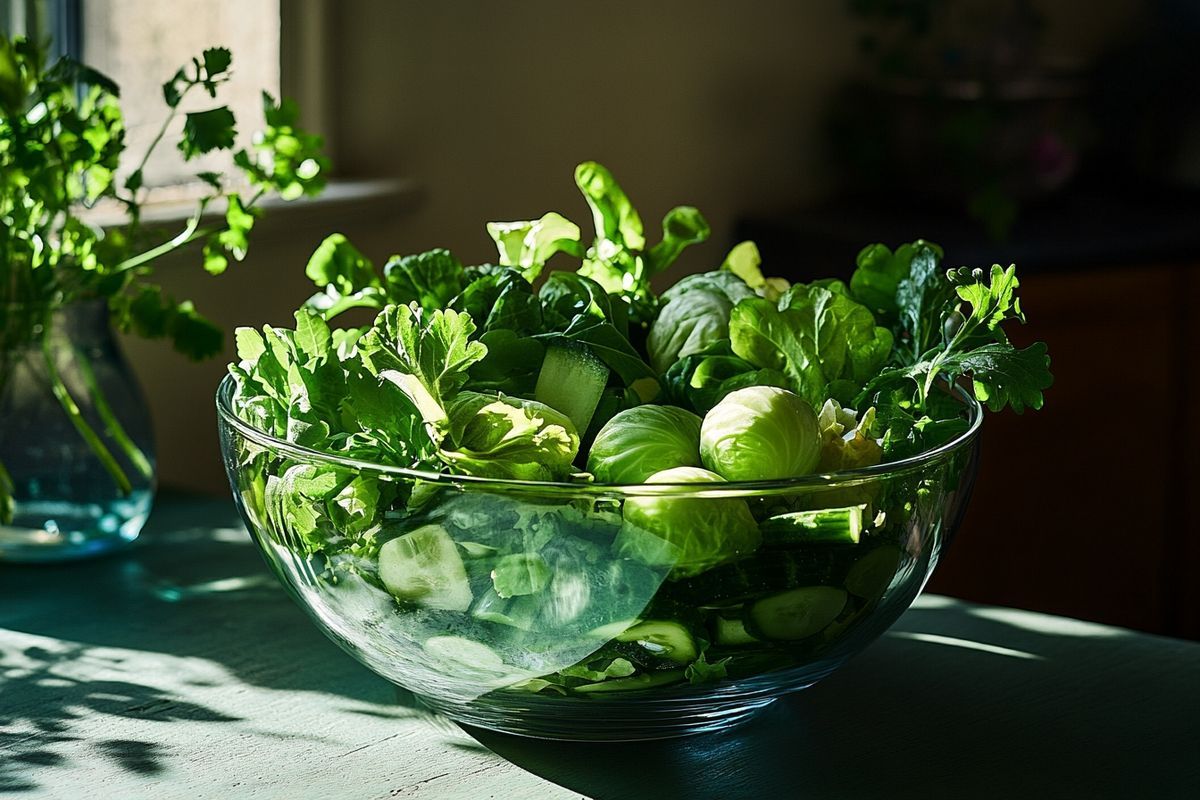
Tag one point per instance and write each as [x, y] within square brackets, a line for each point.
[205, 131]
[1004, 376]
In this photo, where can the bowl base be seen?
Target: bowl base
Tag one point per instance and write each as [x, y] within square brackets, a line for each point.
[608, 720]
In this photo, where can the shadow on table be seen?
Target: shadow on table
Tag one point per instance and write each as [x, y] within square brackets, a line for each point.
[931, 712]
[189, 590]
[42, 700]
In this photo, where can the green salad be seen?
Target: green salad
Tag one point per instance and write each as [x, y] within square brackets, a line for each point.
[523, 371]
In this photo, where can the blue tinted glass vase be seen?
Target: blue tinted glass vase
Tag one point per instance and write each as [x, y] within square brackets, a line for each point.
[76, 446]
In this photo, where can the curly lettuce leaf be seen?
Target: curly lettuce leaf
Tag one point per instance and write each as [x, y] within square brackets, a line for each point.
[745, 261]
[346, 277]
[494, 436]
[430, 279]
[527, 245]
[618, 260]
[824, 342]
[682, 226]
[436, 348]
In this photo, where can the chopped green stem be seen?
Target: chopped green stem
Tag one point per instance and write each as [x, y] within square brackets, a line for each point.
[63, 395]
[6, 496]
[112, 425]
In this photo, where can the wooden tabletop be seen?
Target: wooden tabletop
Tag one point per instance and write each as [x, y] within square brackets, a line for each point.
[179, 669]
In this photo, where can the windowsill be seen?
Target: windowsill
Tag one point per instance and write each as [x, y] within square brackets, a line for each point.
[342, 200]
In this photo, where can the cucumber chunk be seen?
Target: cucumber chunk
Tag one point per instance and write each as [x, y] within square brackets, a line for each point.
[665, 639]
[424, 567]
[872, 574]
[516, 613]
[465, 654]
[795, 614]
[829, 525]
[571, 382]
[732, 632]
[646, 680]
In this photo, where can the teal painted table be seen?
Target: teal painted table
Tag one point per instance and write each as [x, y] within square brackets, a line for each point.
[181, 670]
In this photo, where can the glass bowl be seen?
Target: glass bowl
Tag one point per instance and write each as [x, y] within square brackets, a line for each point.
[522, 607]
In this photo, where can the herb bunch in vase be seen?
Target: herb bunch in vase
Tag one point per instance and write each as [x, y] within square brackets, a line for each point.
[76, 452]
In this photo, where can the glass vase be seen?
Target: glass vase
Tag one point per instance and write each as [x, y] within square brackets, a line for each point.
[76, 447]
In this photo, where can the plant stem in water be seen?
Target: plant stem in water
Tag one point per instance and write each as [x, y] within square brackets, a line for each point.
[63, 395]
[112, 425]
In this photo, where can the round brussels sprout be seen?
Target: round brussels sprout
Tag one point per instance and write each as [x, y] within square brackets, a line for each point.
[688, 534]
[760, 433]
[640, 441]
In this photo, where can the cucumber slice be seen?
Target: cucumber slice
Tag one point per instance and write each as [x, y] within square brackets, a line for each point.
[795, 614]
[646, 680]
[665, 639]
[462, 652]
[424, 567]
[571, 381]
[829, 525]
[731, 632]
[872, 574]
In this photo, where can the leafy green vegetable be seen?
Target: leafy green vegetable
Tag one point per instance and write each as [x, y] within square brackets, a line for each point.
[614, 593]
[500, 299]
[760, 433]
[639, 442]
[682, 226]
[879, 272]
[824, 342]
[615, 260]
[1001, 375]
[687, 534]
[695, 315]
[431, 279]
[702, 671]
[434, 348]
[520, 574]
[702, 379]
[529, 245]
[744, 261]
[506, 437]
[846, 441]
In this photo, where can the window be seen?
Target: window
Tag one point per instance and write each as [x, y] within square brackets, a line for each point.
[56, 20]
[140, 44]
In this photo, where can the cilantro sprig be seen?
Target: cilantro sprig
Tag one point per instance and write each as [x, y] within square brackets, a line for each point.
[62, 147]
[949, 325]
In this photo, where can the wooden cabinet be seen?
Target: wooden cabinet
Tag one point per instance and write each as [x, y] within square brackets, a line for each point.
[1086, 508]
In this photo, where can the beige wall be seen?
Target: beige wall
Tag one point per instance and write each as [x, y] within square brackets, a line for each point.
[490, 105]
[709, 102]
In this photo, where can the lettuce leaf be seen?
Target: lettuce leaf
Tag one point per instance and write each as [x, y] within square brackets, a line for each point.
[821, 340]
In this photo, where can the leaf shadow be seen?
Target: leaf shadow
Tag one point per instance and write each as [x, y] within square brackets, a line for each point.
[45, 700]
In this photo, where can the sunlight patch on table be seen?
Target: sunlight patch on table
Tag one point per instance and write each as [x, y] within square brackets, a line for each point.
[1042, 623]
[966, 644]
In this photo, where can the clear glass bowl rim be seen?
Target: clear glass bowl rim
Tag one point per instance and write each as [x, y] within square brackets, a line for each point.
[816, 481]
